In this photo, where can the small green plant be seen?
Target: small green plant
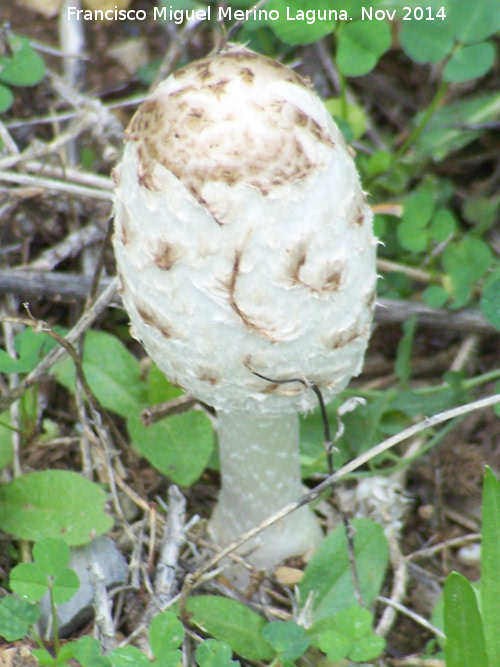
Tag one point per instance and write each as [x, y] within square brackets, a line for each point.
[20, 66]
[49, 573]
[472, 613]
[338, 630]
[117, 380]
[349, 634]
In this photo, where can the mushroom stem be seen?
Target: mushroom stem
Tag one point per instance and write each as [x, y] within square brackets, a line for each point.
[260, 473]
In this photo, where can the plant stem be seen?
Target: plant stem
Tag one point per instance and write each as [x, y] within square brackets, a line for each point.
[55, 628]
[414, 135]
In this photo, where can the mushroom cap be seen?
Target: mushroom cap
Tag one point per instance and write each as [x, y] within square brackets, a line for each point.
[243, 238]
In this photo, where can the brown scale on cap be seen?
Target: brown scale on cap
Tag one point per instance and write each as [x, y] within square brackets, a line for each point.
[245, 318]
[165, 255]
[346, 336]
[152, 319]
[332, 272]
[192, 133]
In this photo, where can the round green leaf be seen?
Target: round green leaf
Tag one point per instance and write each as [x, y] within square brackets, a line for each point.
[435, 296]
[53, 503]
[51, 555]
[473, 21]
[179, 446]
[287, 638]
[6, 452]
[490, 302]
[426, 41]
[232, 622]
[65, 585]
[297, 24]
[113, 373]
[367, 648]
[470, 62]
[354, 622]
[29, 581]
[419, 206]
[335, 644]
[442, 226]
[355, 116]
[88, 651]
[16, 615]
[212, 653]
[466, 262]
[6, 98]
[411, 237]
[328, 574]
[129, 656]
[165, 634]
[25, 67]
[360, 45]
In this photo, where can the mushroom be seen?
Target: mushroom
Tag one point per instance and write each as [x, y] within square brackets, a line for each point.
[245, 249]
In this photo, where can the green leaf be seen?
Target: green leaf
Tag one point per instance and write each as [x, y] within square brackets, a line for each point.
[335, 644]
[170, 659]
[419, 206]
[348, 633]
[412, 238]
[447, 129]
[473, 21]
[360, 45]
[328, 576]
[113, 373]
[88, 652]
[287, 638]
[490, 558]
[435, 296]
[367, 648]
[466, 262]
[159, 388]
[51, 555]
[165, 634]
[179, 446]
[462, 624]
[6, 451]
[470, 62]
[212, 653]
[232, 622]
[355, 621]
[65, 585]
[25, 67]
[29, 581]
[129, 656]
[442, 226]
[32, 346]
[16, 616]
[490, 300]
[412, 231]
[355, 116]
[6, 98]
[481, 211]
[53, 503]
[293, 27]
[426, 41]
[10, 365]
